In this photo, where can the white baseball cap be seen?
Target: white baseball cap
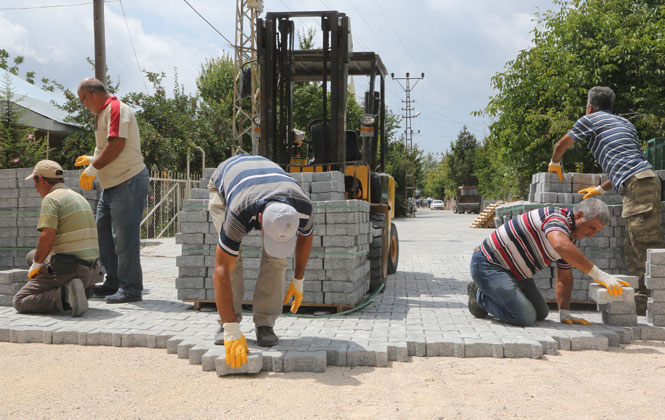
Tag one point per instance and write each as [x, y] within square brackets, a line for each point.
[280, 224]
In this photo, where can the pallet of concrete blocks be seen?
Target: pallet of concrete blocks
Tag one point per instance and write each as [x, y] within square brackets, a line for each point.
[655, 282]
[11, 282]
[616, 310]
[198, 240]
[337, 271]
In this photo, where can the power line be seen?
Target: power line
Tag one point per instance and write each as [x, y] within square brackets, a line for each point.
[53, 6]
[134, 49]
[210, 24]
[378, 5]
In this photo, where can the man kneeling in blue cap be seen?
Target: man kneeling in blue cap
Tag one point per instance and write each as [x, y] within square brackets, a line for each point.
[251, 192]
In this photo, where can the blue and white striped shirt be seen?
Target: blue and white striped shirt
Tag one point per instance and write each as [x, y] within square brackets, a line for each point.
[247, 183]
[614, 144]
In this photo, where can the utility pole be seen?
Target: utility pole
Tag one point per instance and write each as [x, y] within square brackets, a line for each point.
[410, 184]
[100, 42]
[247, 11]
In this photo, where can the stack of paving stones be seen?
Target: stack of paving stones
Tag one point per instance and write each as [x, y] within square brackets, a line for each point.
[655, 281]
[20, 204]
[10, 283]
[620, 311]
[337, 272]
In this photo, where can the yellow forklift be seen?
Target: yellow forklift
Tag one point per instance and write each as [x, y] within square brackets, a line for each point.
[359, 155]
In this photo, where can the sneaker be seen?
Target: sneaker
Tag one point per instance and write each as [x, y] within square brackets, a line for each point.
[475, 309]
[75, 297]
[266, 337]
[122, 297]
[103, 291]
[219, 335]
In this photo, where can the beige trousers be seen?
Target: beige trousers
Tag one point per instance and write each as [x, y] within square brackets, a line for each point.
[269, 291]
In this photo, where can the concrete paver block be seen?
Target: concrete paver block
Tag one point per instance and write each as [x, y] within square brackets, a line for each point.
[305, 361]
[398, 353]
[657, 283]
[620, 320]
[589, 343]
[632, 280]
[183, 349]
[600, 294]
[65, 337]
[208, 359]
[253, 365]
[527, 349]
[273, 361]
[618, 308]
[482, 348]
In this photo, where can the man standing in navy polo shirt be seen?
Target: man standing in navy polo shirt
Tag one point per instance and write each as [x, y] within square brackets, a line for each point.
[614, 143]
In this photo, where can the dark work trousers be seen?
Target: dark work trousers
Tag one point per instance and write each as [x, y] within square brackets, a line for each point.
[43, 294]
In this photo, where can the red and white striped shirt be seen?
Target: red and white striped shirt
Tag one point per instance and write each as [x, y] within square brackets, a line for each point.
[521, 245]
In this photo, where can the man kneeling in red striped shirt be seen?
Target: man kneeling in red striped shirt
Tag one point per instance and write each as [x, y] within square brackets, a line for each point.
[503, 266]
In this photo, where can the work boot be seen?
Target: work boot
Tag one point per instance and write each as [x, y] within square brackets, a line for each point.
[122, 297]
[103, 291]
[266, 337]
[219, 335]
[641, 298]
[475, 309]
[75, 297]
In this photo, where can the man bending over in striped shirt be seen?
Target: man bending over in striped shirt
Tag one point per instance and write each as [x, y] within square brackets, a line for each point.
[251, 192]
[614, 144]
[503, 266]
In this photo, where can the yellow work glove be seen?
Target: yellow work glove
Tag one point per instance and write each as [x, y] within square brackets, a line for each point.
[591, 191]
[35, 268]
[87, 177]
[608, 281]
[295, 291]
[566, 318]
[556, 168]
[235, 345]
[83, 160]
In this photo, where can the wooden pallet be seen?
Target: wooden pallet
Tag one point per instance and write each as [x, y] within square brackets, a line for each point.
[486, 218]
[338, 308]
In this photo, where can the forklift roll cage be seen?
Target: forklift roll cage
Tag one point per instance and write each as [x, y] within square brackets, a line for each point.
[281, 66]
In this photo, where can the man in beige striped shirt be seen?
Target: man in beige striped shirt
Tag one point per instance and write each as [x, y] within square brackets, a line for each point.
[65, 261]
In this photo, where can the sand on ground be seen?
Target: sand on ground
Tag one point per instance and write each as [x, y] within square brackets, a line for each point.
[40, 381]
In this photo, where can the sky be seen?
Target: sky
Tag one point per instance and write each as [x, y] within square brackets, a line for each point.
[458, 44]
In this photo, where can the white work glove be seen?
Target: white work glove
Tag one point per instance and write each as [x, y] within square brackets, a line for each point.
[611, 283]
[235, 345]
[91, 170]
[35, 268]
[566, 318]
[295, 291]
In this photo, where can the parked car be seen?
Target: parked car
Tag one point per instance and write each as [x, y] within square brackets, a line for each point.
[436, 205]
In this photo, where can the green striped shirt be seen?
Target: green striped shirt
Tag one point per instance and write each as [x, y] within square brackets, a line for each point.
[69, 214]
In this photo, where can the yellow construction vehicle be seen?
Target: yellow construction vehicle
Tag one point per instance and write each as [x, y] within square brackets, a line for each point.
[359, 155]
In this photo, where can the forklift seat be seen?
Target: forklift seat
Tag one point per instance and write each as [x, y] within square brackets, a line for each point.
[352, 146]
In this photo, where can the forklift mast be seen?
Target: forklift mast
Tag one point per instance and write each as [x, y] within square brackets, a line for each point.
[281, 66]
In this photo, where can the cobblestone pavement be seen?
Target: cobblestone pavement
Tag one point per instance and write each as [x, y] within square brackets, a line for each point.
[422, 312]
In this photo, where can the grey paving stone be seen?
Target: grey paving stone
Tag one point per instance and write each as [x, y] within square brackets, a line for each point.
[172, 344]
[273, 361]
[528, 349]
[65, 337]
[310, 361]
[208, 359]
[26, 336]
[253, 365]
[135, 339]
[482, 348]
[398, 353]
[621, 320]
[589, 343]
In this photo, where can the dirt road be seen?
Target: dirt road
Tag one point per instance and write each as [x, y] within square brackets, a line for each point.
[72, 382]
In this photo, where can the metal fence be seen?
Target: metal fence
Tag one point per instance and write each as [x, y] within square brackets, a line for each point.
[166, 194]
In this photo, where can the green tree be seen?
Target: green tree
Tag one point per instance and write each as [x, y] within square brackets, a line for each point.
[19, 147]
[461, 160]
[615, 43]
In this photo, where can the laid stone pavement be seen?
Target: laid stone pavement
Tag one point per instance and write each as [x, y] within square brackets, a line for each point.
[422, 312]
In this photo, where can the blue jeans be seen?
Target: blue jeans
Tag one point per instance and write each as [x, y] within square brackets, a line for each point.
[119, 213]
[500, 294]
